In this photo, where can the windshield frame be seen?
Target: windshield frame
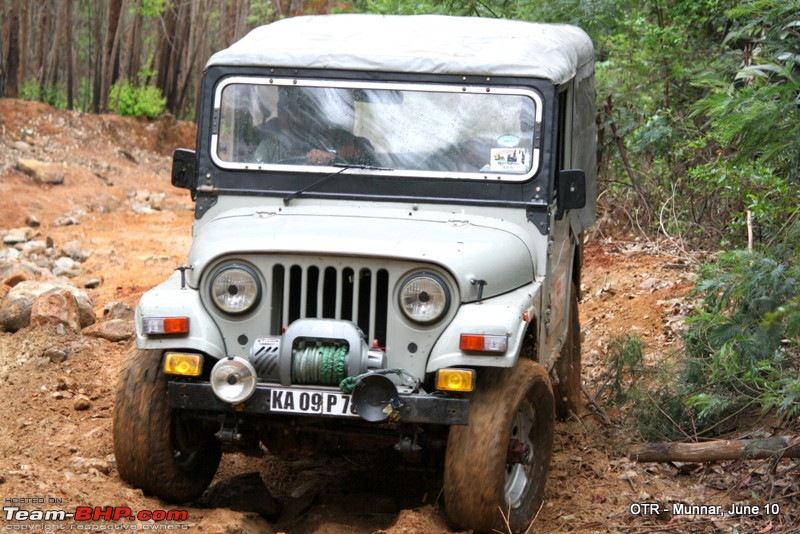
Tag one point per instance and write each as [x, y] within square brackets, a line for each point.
[451, 88]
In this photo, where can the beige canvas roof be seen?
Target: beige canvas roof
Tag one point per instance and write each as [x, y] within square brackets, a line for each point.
[434, 44]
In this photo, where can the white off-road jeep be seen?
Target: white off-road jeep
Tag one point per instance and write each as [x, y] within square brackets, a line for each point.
[387, 245]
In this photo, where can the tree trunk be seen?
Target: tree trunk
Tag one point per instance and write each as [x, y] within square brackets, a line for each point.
[98, 55]
[70, 57]
[165, 59]
[134, 47]
[110, 71]
[10, 81]
[715, 451]
[45, 32]
[57, 44]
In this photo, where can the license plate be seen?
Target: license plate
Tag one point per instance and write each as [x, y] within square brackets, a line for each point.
[312, 402]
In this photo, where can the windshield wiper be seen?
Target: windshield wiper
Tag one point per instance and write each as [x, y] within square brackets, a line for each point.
[344, 166]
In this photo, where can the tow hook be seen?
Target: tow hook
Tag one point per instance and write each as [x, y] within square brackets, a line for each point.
[518, 452]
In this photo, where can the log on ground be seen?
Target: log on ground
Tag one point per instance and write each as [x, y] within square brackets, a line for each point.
[713, 451]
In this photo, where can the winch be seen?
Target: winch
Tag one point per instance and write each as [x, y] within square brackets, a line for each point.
[315, 352]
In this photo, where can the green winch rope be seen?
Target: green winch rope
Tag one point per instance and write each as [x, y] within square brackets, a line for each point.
[319, 364]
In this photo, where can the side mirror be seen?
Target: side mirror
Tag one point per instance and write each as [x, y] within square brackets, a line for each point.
[183, 168]
[571, 190]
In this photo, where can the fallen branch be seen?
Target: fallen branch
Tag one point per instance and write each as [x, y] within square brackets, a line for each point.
[713, 451]
[598, 409]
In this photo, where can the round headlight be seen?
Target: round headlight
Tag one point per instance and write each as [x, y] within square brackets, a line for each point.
[235, 288]
[424, 297]
[233, 379]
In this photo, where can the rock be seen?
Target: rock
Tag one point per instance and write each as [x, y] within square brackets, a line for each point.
[73, 250]
[92, 283]
[55, 355]
[81, 403]
[15, 309]
[143, 202]
[159, 259]
[9, 255]
[34, 248]
[87, 465]
[118, 310]
[66, 266]
[650, 283]
[112, 330]
[18, 235]
[44, 173]
[66, 220]
[16, 278]
[65, 383]
[157, 201]
[32, 221]
[15, 268]
[56, 306]
[22, 146]
[243, 493]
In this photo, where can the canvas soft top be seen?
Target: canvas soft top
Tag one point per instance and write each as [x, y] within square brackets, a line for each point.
[434, 44]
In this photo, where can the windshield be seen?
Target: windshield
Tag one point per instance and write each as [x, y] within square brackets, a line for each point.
[437, 131]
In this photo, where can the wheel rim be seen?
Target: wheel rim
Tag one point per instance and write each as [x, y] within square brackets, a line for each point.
[520, 455]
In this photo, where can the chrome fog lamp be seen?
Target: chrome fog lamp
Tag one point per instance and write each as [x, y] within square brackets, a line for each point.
[424, 297]
[235, 288]
[233, 379]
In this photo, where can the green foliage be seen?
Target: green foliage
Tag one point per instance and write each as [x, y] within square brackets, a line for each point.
[55, 96]
[152, 8]
[623, 367]
[261, 12]
[129, 100]
[624, 357]
[743, 342]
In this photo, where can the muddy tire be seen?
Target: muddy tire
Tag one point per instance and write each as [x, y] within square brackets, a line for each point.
[155, 449]
[567, 387]
[496, 467]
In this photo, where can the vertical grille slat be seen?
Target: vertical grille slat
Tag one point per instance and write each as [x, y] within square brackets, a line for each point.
[302, 290]
[373, 297]
[356, 297]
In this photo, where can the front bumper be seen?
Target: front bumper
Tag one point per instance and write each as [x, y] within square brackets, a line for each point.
[414, 408]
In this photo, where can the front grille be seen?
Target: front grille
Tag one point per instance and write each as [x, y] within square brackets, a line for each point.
[357, 294]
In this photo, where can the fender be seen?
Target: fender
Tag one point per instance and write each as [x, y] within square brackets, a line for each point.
[501, 315]
[169, 299]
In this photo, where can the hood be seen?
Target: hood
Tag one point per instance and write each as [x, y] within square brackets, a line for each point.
[468, 247]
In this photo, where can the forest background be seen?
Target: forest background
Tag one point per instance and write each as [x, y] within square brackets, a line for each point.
[698, 114]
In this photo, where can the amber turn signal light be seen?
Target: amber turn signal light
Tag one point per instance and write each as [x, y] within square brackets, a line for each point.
[183, 364]
[455, 379]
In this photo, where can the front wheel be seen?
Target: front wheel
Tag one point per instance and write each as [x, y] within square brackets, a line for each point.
[156, 449]
[495, 467]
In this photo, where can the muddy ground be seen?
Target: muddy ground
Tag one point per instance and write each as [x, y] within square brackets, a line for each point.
[56, 453]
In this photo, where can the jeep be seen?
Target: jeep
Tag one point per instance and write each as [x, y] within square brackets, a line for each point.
[387, 246]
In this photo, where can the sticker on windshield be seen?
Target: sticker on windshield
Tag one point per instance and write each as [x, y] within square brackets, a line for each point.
[510, 159]
[508, 141]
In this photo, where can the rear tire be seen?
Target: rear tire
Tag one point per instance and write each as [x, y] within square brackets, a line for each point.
[567, 388]
[156, 449]
[496, 467]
